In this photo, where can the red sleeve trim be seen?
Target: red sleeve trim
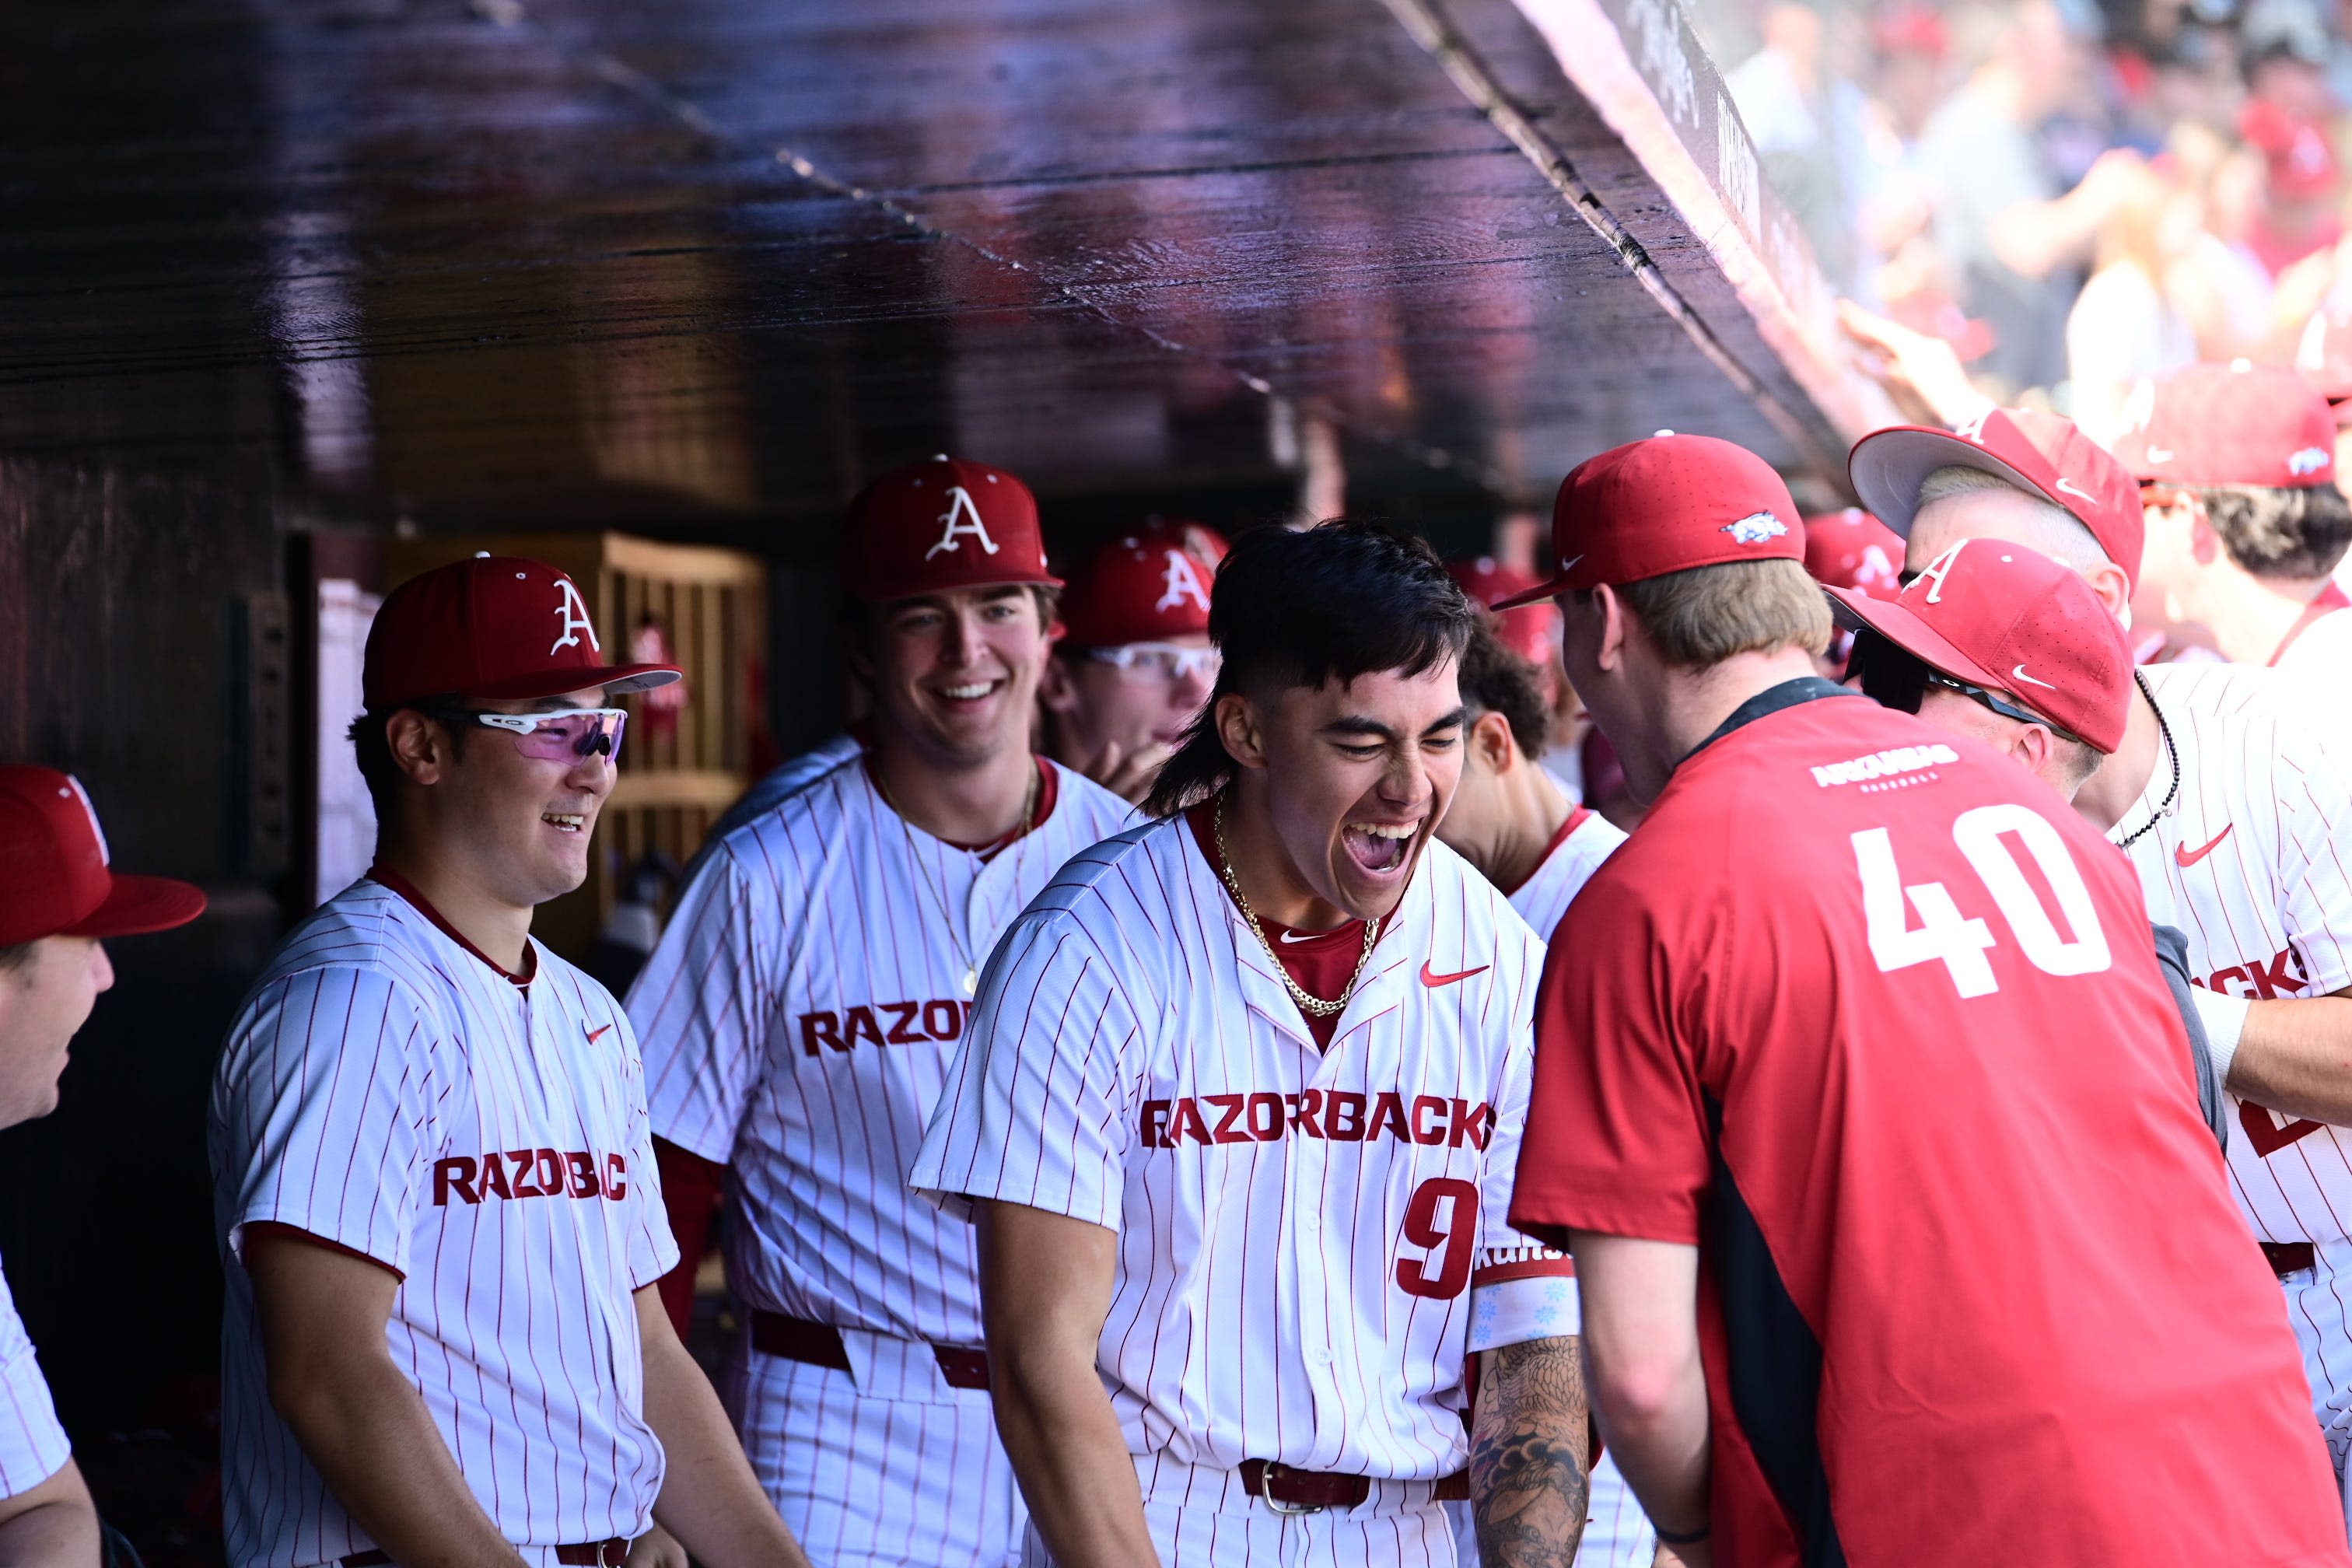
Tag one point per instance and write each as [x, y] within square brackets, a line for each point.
[296, 1233]
[1531, 1268]
[691, 1187]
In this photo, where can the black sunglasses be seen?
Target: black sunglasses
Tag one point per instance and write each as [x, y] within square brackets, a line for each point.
[1998, 703]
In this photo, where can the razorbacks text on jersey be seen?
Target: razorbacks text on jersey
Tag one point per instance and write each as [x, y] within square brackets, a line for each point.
[389, 1092]
[1308, 1237]
[799, 1015]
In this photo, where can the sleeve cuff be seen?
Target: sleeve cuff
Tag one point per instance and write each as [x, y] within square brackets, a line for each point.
[1528, 1307]
[377, 1251]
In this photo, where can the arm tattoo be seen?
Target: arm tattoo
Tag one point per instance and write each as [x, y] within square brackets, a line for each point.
[1529, 1451]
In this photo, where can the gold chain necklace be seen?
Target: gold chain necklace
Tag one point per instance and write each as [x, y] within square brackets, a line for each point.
[1315, 1006]
[938, 894]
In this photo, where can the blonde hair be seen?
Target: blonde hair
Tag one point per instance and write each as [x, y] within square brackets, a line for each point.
[1704, 615]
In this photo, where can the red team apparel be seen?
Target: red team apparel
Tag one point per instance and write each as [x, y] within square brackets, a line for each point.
[1310, 1240]
[2255, 856]
[389, 1092]
[799, 1016]
[1970, 1292]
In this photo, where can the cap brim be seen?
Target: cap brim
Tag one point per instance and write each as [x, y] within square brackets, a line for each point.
[1887, 467]
[1853, 608]
[137, 905]
[1541, 594]
[615, 678]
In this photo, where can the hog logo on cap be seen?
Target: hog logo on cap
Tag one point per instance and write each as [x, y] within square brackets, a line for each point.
[1755, 528]
[1182, 583]
[573, 614]
[2310, 460]
[960, 505]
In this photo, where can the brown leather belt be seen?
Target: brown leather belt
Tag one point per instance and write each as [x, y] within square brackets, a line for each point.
[2289, 1256]
[1288, 1491]
[819, 1344]
[587, 1555]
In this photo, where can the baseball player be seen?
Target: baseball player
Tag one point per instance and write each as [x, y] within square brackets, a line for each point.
[439, 1215]
[1133, 664]
[2239, 821]
[1511, 822]
[2244, 524]
[59, 899]
[1850, 549]
[1812, 1036]
[1532, 632]
[800, 1012]
[1953, 648]
[1235, 1115]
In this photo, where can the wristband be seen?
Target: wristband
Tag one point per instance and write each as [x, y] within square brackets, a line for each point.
[1672, 1539]
[2224, 1018]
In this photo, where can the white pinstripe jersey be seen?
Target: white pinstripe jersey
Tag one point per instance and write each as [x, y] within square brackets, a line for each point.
[1561, 874]
[1297, 1229]
[2321, 650]
[798, 1017]
[385, 1090]
[33, 1445]
[2255, 863]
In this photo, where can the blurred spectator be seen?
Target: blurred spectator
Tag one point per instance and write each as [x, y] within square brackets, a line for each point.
[2221, 286]
[2009, 242]
[2286, 119]
[1806, 119]
[2125, 326]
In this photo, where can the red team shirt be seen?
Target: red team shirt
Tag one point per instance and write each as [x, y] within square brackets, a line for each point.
[1974, 1290]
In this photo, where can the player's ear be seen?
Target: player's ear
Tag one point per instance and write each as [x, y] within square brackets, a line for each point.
[1240, 726]
[1616, 628]
[1490, 742]
[2203, 543]
[2031, 746]
[2111, 588]
[1057, 691]
[420, 748]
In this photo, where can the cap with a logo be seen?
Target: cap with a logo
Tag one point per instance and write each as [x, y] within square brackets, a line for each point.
[2323, 355]
[1852, 549]
[931, 528]
[1666, 503]
[1152, 583]
[2011, 619]
[54, 876]
[494, 627]
[2037, 452]
[2235, 424]
[1531, 630]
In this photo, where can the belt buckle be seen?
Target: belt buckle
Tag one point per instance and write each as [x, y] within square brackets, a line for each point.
[603, 1559]
[1266, 1494]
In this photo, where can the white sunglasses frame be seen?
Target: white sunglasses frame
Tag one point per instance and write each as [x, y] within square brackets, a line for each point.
[522, 724]
[1125, 657]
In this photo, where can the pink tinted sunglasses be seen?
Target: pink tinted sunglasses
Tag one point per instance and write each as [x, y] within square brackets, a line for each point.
[560, 737]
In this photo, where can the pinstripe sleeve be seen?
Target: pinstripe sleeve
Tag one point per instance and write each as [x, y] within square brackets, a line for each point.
[2313, 785]
[653, 1250]
[1036, 1110]
[1520, 1288]
[33, 1445]
[329, 1111]
[701, 1008]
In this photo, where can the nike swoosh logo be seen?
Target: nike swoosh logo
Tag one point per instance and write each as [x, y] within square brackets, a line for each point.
[592, 1034]
[2068, 485]
[1569, 564]
[1433, 981]
[2160, 454]
[1301, 935]
[2020, 673]
[2184, 856]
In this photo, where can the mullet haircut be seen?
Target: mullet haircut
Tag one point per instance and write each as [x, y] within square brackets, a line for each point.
[1303, 606]
[1704, 614]
[1496, 680]
[2277, 531]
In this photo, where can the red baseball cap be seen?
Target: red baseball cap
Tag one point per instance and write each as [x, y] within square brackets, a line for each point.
[1666, 503]
[54, 876]
[2233, 424]
[1852, 549]
[929, 528]
[2323, 356]
[2297, 152]
[2011, 619]
[2037, 452]
[496, 626]
[1530, 631]
[1152, 583]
